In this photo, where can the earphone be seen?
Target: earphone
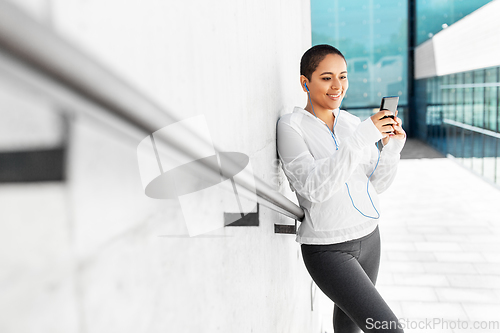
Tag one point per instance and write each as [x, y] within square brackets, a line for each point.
[337, 148]
[335, 123]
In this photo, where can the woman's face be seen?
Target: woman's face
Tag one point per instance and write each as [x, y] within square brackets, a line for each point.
[328, 83]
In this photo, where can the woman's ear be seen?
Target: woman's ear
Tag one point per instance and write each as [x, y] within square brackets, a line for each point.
[303, 82]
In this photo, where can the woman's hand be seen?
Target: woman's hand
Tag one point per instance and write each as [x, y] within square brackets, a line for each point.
[382, 123]
[385, 125]
[399, 133]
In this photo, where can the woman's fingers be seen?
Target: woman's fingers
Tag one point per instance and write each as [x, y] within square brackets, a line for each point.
[399, 132]
[381, 114]
[382, 121]
[387, 125]
[398, 121]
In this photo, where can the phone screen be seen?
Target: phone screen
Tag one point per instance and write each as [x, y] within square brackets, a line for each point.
[389, 103]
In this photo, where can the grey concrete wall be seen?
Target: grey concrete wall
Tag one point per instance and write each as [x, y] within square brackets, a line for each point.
[94, 253]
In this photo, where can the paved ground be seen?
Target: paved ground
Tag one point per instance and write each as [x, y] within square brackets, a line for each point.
[440, 232]
[415, 149]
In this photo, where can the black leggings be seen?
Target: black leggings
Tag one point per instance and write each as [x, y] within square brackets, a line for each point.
[346, 273]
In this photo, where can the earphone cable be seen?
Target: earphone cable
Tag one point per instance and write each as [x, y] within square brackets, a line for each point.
[337, 148]
[334, 123]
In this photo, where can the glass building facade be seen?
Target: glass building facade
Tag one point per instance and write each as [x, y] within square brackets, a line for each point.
[458, 114]
[461, 109]
[436, 15]
[463, 118]
[372, 35]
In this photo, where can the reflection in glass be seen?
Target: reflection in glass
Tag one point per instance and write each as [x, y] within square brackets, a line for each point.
[434, 16]
[459, 98]
[491, 96]
[463, 119]
[497, 162]
[375, 47]
[468, 98]
[478, 113]
[489, 158]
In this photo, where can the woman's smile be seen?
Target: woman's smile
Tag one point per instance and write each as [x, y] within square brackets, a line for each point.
[336, 96]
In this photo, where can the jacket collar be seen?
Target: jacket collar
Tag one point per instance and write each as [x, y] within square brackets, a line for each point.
[302, 110]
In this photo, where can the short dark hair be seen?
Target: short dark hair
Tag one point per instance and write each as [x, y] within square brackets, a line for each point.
[312, 57]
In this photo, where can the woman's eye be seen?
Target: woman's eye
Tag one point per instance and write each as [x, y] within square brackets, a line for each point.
[343, 77]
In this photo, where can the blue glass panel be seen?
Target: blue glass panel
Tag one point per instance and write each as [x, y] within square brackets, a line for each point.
[434, 15]
[491, 96]
[364, 113]
[477, 153]
[489, 158]
[372, 35]
[478, 98]
[460, 97]
[497, 163]
[468, 98]
[462, 112]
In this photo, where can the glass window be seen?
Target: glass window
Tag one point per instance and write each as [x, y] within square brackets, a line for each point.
[478, 113]
[452, 98]
[428, 86]
[491, 96]
[363, 113]
[498, 100]
[374, 46]
[467, 152]
[477, 152]
[433, 16]
[444, 89]
[434, 90]
[489, 157]
[497, 162]
[460, 144]
[459, 98]
[468, 98]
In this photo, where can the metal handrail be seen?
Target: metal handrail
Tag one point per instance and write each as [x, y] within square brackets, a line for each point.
[33, 53]
[472, 128]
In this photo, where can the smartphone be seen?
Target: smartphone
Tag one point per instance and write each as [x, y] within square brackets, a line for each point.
[389, 103]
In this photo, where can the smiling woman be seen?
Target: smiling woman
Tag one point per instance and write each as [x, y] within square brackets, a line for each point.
[331, 161]
[328, 80]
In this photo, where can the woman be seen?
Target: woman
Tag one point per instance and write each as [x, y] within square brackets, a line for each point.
[332, 163]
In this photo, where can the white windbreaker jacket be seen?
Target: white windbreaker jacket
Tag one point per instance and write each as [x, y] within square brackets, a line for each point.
[318, 173]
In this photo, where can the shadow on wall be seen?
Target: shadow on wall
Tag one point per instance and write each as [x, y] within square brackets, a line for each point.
[33, 139]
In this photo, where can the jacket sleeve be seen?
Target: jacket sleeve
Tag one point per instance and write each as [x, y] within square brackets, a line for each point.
[386, 170]
[318, 180]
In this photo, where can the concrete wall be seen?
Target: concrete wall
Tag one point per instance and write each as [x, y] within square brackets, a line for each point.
[94, 254]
